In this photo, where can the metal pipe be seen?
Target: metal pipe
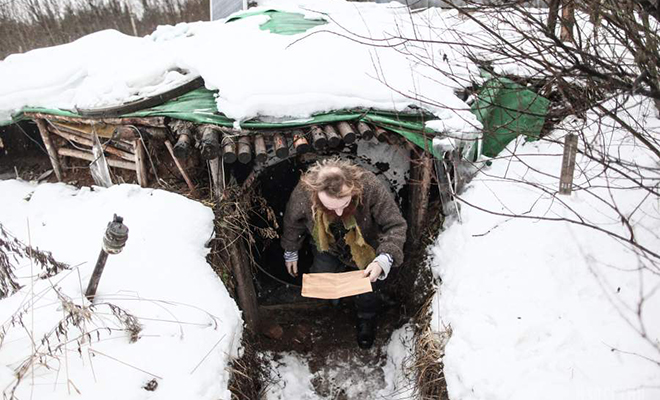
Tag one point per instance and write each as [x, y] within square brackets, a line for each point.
[114, 240]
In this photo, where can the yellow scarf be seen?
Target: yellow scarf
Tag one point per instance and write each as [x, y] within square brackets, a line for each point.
[361, 252]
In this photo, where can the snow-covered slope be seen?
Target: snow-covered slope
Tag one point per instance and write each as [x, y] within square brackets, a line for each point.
[548, 309]
[190, 327]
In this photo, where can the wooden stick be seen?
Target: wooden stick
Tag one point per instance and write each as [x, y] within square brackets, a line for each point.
[319, 140]
[156, 122]
[334, 139]
[260, 149]
[50, 148]
[281, 146]
[244, 150]
[169, 146]
[365, 131]
[64, 152]
[299, 142]
[140, 163]
[346, 131]
[228, 150]
[88, 142]
[209, 143]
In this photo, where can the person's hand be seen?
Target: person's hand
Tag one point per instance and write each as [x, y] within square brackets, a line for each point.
[292, 267]
[373, 271]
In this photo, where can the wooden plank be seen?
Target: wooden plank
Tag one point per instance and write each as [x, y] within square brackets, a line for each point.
[568, 164]
[90, 157]
[140, 163]
[156, 122]
[88, 142]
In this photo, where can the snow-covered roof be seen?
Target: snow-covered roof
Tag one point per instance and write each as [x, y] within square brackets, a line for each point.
[353, 61]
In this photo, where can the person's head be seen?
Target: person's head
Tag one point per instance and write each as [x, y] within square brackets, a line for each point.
[335, 185]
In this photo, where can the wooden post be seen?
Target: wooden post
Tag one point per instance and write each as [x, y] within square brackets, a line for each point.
[247, 297]
[244, 150]
[334, 139]
[170, 148]
[281, 146]
[140, 162]
[365, 131]
[217, 175]
[50, 148]
[553, 13]
[228, 150]
[346, 131]
[209, 143]
[420, 177]
[319, 140]
[260, 149]
[568, 164]
[299, 142]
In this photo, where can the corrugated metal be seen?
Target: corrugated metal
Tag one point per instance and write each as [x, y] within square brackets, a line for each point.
[222, 8]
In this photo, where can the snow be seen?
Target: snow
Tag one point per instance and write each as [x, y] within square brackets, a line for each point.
[543, 309]
[191, 328]
[295, 380]
[351, 62]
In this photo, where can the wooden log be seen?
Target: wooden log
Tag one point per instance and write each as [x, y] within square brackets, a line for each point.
[183, 146]
[228, 150]
[89, 143]
[381, 134]
[299, 142]
[217, 177]
[140, 163]
[365, 131]
[156, 122]
[171, 149]
[244, 150]
[209, 143]
[281, 146]
[260, 149]
[346, 131]
[50, 148]
[334, 139]
[319, 141]
[184, 131]
[64, 152]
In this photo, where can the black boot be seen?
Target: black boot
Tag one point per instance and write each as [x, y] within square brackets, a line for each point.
[366, 332]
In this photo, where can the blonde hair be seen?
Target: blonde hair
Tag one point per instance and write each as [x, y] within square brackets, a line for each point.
[334, 176]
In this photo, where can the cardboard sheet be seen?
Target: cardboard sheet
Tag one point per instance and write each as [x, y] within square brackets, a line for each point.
[335, 286]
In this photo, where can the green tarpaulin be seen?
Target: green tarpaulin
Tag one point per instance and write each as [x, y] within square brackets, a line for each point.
[282, 23]
[507, 110]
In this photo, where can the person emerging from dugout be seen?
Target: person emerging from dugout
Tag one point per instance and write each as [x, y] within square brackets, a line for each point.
[355, 224]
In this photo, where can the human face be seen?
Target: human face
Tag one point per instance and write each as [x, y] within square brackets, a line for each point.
[336, 205]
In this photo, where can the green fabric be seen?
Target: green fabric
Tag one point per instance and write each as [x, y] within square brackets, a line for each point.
[282, 23]
[506, 110]
[361, 252]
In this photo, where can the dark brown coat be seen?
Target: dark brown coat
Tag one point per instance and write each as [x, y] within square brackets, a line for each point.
[378, 216]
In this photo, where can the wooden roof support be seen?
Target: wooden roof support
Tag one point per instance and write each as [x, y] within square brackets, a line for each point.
[381, 134]
[334, 140]
[130, 156]
[260, 149]
[346, 131]
[184, 131]
[170, 148]
[217, 177]
[365, 131]
[319, 141]
[281, 146]
[156, 122]
[244, 150]
[299, 142]
[50, 148]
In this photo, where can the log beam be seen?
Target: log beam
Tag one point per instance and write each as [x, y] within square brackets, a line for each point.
[334, 140]
[281, 146]
[365, 131]
[346, 131]
[64, 152]
[244, 150]
[319, 141]
[260, 149]
[299, 142]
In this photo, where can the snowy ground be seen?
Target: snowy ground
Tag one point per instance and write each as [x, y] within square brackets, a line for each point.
[550, 309]
[190, 327]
